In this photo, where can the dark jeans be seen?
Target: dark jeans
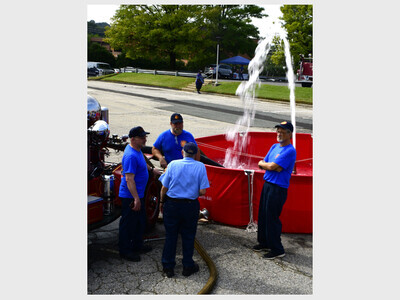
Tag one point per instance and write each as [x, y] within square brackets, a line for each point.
[179, 218]
[131, 227]
[272, 199]
[199, 84]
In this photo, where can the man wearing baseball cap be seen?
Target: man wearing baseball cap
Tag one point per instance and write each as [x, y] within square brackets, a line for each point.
[182, 183]
[278, 165]
[170, 142]
[134, 177]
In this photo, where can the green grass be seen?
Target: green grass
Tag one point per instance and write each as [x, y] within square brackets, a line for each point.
[175, 82]
[266, 91]
[276, 92]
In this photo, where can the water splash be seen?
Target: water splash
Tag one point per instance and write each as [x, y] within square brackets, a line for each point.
[247, 91]
[291, 85]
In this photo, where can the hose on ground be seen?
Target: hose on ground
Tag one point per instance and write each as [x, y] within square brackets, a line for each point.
[211, 267]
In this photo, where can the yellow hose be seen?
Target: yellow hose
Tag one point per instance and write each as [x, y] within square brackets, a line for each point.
[211, 267]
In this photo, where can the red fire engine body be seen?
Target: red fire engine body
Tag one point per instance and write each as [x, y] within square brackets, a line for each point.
[104, 205]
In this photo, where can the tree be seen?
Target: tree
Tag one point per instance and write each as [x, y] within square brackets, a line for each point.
[96, 29]
[229, 26]
[156, 31]
[297, 20]
[232, 24]
[97, 52]
[275, 64]
[183, 31]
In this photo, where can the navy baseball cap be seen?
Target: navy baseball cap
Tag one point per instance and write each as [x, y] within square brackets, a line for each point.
[137, 131]
[176, 118]
[285, 125]
[190, 148]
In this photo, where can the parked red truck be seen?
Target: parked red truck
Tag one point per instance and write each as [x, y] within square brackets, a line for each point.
[305, 72]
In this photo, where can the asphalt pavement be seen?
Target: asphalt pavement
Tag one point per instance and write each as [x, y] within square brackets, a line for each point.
[241, 271]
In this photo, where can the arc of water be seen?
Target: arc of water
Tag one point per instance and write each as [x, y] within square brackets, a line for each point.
[291, 84]
[247, 91]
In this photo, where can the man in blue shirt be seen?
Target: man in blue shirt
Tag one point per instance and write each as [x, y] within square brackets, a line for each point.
[134, 176]
[170, 142]
[278, 165]
[199, 81]
[182, 183]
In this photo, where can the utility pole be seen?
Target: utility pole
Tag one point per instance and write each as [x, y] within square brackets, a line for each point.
[216, 71]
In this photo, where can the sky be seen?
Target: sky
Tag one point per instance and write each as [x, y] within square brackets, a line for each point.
[103, 13]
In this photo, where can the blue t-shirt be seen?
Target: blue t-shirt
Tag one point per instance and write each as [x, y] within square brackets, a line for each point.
[184, 178]
[171, 145]
[133, 162]
[284, 157]
[199, 78]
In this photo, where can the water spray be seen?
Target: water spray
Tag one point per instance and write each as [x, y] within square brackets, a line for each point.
[247, 91]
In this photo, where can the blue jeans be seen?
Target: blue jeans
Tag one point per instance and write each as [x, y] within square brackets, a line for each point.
[131, 227]
[269, 231]
[179, 218]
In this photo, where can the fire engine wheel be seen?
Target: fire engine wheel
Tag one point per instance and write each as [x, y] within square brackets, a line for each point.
[152, 203]
[306, 84]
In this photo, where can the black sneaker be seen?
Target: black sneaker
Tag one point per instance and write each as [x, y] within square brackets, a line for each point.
[168, 272]
[259, 248]
[187, 271]
[272, 255]
[130, 256]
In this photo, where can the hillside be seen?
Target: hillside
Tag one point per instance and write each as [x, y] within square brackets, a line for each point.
[98, 29]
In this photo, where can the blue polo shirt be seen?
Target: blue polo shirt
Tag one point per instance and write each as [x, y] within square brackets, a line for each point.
[133, 162]
[284, 157]
[184, 178]
[172, 145]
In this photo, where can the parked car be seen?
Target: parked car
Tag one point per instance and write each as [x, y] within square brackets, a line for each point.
[223, 70]
[98, 68]
[129, 69]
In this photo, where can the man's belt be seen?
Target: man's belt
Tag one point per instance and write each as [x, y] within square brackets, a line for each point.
[180, 200]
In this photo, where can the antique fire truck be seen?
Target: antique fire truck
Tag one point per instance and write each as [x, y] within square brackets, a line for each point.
[104, 178]
[305, 72]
